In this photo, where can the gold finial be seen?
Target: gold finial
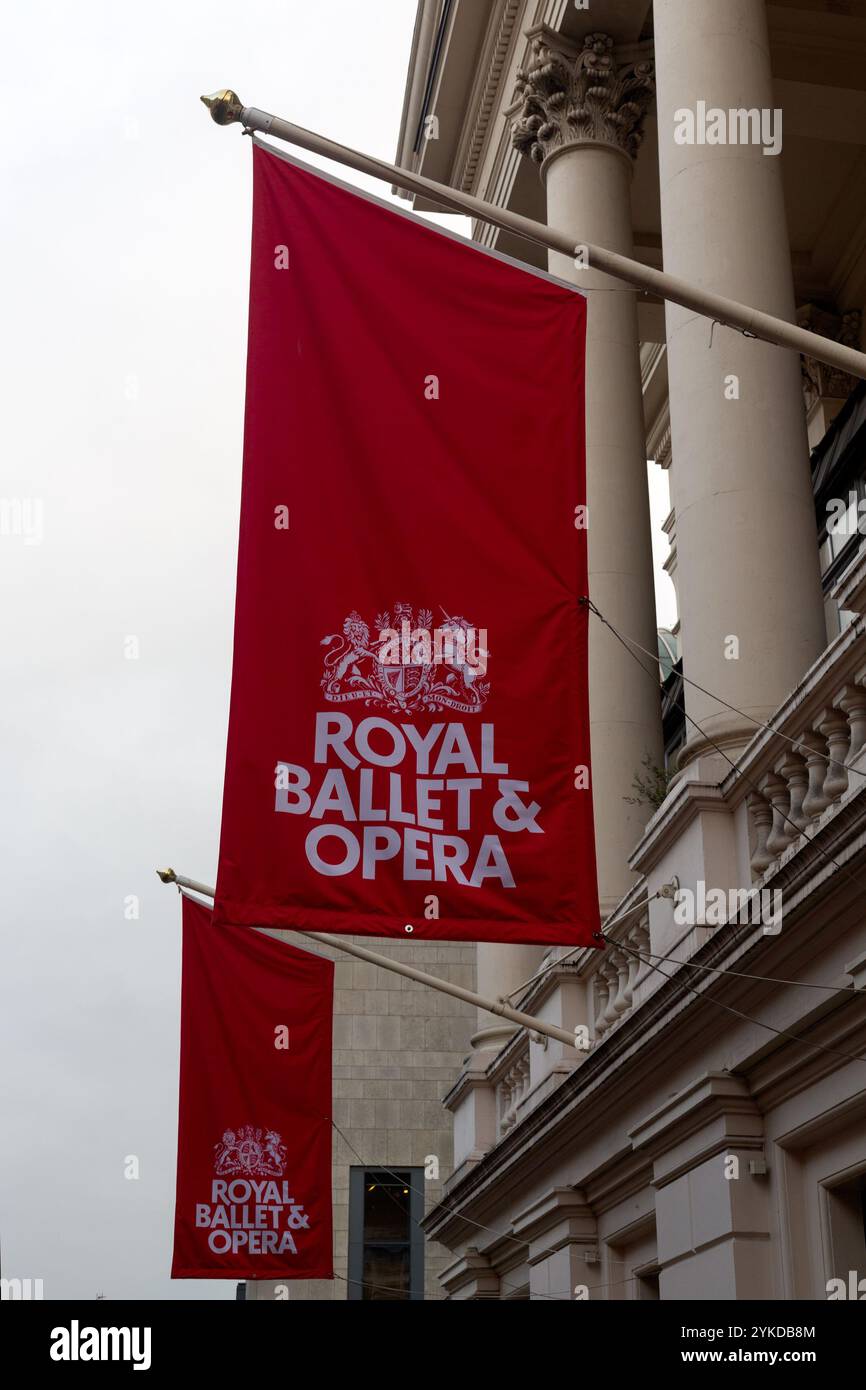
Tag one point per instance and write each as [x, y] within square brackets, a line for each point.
[225, 107]
[168, 875]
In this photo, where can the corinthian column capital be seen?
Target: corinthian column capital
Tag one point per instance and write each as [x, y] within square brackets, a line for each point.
[570, 95]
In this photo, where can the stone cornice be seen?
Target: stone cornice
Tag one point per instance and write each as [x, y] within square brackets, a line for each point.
[835, 1021]
[483, 99]
[849, 591]
[715, 1096]
[516, 1048]
[659, 442]
[849, 1113]
[571, 94]
[556, 972]
[467, 1081]
[563, 1211]
[473, 1269]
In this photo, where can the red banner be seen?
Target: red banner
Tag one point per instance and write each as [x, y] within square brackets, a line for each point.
[254, 1128]
[408, 744]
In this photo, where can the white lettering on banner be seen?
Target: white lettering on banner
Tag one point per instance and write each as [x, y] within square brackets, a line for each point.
[243, 1214]
[237, 1223]
[363, 788]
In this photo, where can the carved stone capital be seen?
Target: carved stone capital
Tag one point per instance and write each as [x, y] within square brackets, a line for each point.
[571, 95]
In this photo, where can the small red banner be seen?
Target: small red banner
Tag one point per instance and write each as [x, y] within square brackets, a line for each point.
[408, 745]
[254, 1128]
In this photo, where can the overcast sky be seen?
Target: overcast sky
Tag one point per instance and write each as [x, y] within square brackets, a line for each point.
[125, 248]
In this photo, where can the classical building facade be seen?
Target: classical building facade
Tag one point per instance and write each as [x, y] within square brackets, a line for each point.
[708, 1139]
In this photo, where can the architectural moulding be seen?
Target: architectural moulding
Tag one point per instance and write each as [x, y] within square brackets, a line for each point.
[568, 95]
[483, 99]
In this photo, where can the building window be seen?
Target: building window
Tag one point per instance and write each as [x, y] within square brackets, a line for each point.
[646, 1285]
[386, 1243]
[839, 485]
[847, 1228]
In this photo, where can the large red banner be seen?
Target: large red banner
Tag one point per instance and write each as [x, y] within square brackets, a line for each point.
[254, 1128]
[408, 740]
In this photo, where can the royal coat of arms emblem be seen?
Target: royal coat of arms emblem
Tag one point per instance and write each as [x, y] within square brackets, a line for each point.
[356, 666]
[248, 1154]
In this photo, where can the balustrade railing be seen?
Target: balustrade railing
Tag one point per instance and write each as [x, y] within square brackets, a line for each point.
[611, 984]
[811, 776]
[511, 1087]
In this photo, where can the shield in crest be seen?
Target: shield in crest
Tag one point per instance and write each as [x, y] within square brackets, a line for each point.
[402, 681]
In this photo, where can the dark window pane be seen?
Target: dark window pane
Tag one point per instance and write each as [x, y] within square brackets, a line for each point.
[386, 1244]
[386, 1272]
[386, 1209]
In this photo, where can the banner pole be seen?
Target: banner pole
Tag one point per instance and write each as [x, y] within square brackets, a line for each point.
[492, 1006]
[226, 108]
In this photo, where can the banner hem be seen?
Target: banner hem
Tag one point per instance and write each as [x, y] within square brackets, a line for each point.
[228, 913]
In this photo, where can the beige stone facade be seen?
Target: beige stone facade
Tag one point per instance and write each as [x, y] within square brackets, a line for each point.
[710, 1140]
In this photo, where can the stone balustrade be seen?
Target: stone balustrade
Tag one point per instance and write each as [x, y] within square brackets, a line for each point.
[611, 985]
[789, 782]
[511, 1087]
[808, 765]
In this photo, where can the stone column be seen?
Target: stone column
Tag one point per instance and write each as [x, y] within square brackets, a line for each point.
[750, 594]
[579, 115]
[501, 969]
